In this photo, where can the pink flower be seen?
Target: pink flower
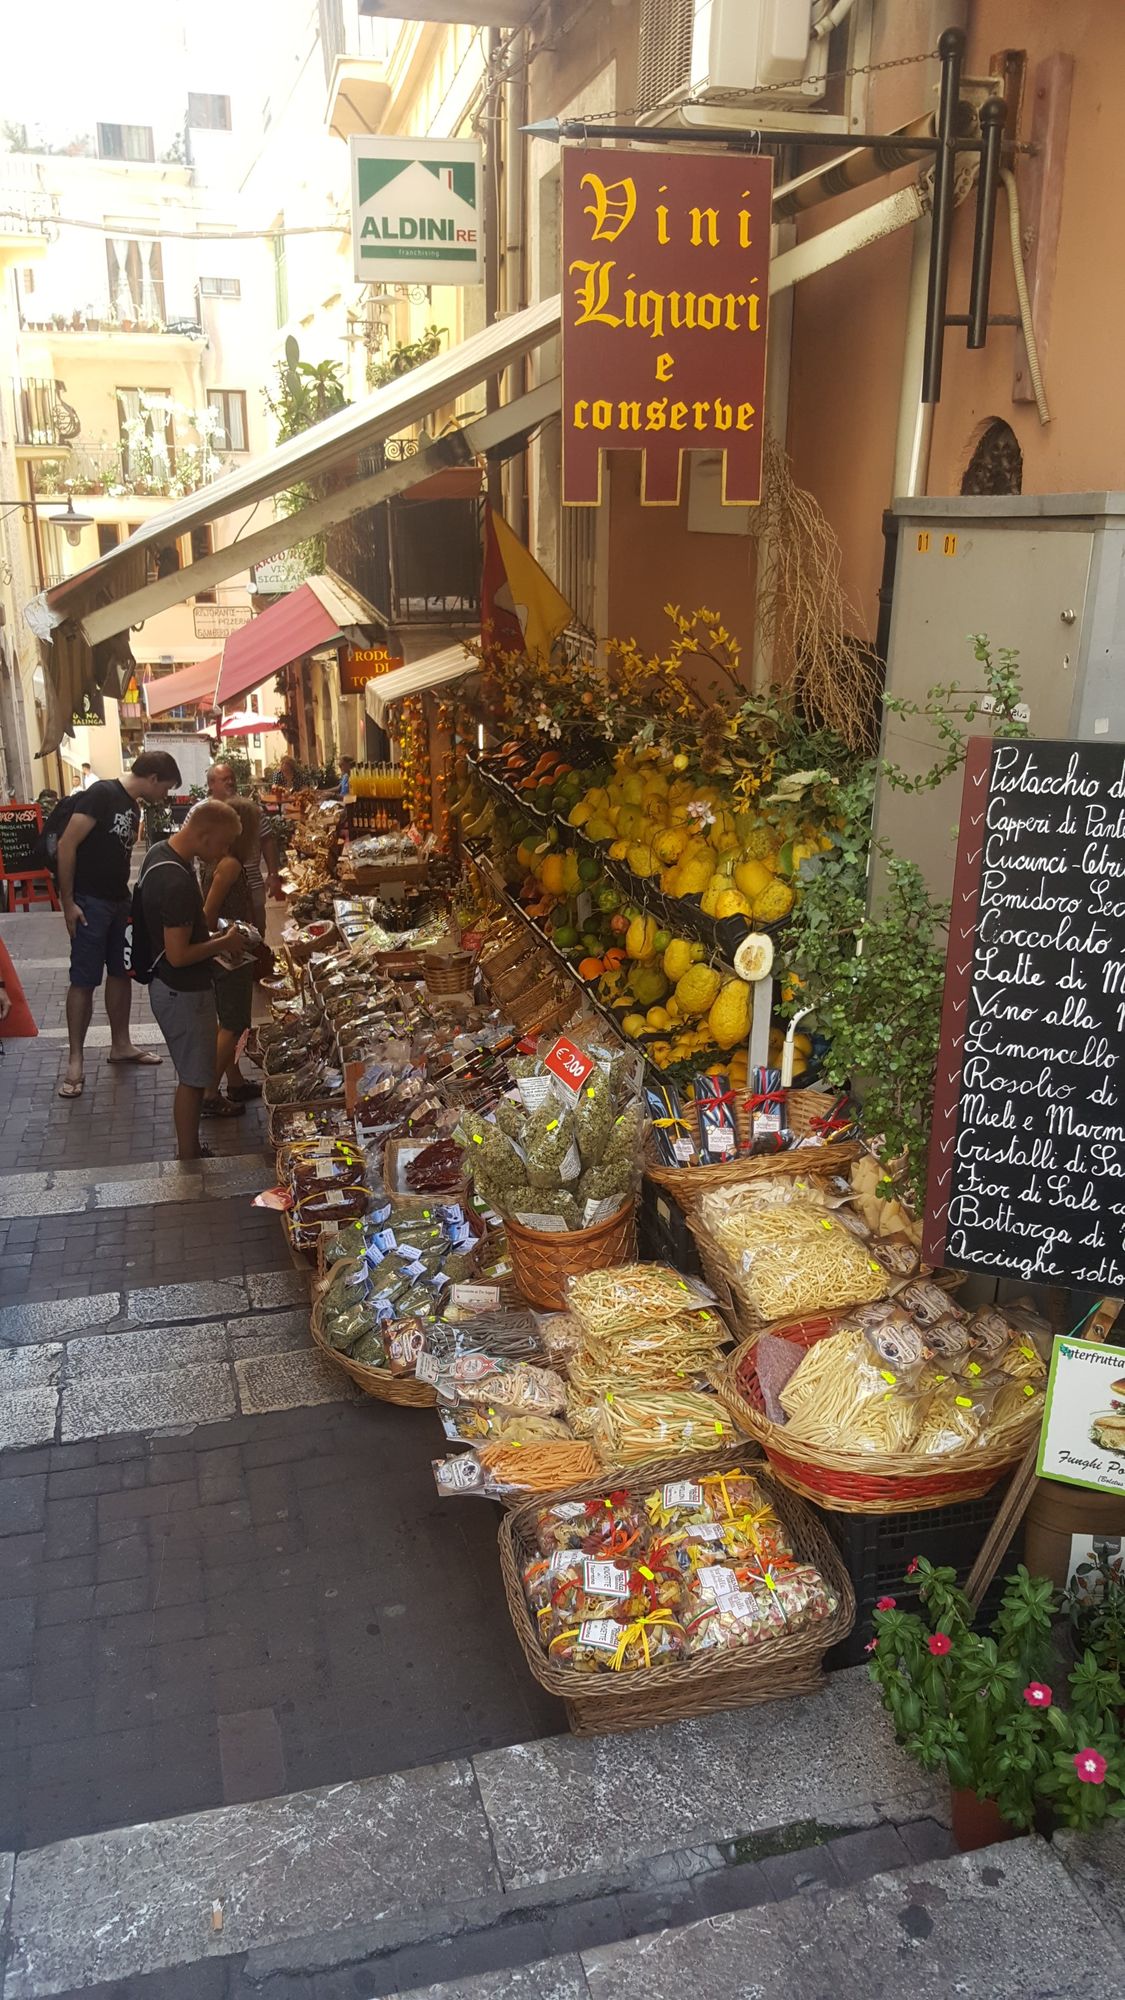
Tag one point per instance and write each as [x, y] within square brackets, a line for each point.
[1037, 1695]
[886, 1604]
[912, 1567]
[1090, 1766]
[939, 1643]
[871, 1645]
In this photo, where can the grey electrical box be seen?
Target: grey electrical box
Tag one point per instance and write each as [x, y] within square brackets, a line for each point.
[1041, 572]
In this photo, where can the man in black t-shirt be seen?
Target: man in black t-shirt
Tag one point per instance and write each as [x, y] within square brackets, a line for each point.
[94, 856]
[182, 990]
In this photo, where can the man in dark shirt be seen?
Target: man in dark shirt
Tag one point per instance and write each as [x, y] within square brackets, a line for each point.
[94, 856]
[182, 990]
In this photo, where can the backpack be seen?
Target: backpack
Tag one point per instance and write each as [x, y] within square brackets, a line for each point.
[140, 961]
[46, 853]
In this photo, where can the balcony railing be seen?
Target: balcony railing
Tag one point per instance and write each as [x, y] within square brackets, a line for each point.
[109, 470]
[42, 414]
[101, 320]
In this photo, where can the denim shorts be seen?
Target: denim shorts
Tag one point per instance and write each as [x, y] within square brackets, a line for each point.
[98, 945]
[189, 1025]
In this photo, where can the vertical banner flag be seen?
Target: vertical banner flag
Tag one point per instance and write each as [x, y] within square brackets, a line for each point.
[665, 282]
[520, 609]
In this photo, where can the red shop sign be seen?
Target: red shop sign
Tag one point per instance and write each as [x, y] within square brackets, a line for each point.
[664, 286]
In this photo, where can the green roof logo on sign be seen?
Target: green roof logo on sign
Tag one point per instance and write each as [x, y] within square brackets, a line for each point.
[416, 211]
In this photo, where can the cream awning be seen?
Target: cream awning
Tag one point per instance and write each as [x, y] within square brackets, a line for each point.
[416, 677]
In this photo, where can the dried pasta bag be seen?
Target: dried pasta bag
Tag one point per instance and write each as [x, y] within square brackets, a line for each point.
[509, 1385]
[843, 1398]
[761, 1607]
[757, 1538]
[928, 1303]
[988, 1331]
[789, 1257]
[897, 1254]
[958, 1413]
[597, 1645]
[539, 1577]
[588, 1526]
[680, 1502]
[1022, 1360]
[632, 1425]
[947, 1338]
[594, 1587]
[632, 1295]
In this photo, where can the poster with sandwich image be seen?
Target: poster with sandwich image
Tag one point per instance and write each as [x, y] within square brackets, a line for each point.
[1083, 1436]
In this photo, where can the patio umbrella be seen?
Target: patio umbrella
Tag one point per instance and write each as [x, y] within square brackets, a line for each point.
[244, 722]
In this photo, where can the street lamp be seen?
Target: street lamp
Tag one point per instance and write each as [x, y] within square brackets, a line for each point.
[71, 523]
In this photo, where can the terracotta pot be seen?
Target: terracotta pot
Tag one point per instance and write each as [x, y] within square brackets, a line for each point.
[977, 1822]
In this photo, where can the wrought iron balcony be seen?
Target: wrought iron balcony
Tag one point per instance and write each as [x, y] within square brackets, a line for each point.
[43, 416]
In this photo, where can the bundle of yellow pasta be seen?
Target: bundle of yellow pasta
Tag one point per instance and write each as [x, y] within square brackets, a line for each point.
[627, 1296]
[632, 1425]
[839, 1399]
[785, 1258]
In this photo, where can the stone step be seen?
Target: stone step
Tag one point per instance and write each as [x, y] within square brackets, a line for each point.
[1003, 1924]
[532, 1846]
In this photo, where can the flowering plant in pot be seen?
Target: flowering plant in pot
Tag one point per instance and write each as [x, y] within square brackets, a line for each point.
[980, 1706]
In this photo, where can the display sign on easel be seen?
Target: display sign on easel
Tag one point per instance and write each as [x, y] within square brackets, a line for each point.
[1027, 1158]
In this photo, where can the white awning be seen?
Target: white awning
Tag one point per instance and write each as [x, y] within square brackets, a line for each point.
[415, 678]
[335, 441]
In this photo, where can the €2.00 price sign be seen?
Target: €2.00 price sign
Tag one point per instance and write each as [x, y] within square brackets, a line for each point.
[569, 1064]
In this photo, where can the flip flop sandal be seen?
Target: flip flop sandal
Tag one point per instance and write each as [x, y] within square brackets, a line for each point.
[69, 1091]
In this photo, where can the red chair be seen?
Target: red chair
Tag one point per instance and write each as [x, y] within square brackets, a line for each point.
[32, 888]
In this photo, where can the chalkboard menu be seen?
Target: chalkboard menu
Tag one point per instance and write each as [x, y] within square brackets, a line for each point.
[20, 828]
[1027, 1161]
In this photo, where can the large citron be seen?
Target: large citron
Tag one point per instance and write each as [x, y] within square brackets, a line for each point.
[640, 938]
[697, 989]
[681, 953]
[729, 1016]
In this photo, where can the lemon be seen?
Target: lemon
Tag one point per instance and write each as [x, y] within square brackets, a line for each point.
[698, 988]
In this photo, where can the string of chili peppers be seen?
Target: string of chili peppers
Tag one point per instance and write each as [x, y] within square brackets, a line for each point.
[416, 763]
[447, 779]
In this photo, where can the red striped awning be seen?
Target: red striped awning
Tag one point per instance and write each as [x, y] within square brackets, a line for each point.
[191, 687]
[320, 611]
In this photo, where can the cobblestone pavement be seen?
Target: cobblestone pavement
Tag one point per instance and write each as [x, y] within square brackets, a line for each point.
[223, 1574]
[265, 1733]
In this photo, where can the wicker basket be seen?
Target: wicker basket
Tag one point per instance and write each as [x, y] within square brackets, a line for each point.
[854, 1482]
[449, 973]
[378, 1382]
[543, 1260]
[285, 1120]
[401, 1200]
[689, 1184]
[772, 1671]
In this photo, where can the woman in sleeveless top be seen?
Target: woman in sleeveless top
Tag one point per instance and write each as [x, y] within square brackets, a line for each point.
[226, 894]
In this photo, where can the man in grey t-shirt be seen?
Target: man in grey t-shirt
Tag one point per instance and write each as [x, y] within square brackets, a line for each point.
[182, 989]
[223, 784]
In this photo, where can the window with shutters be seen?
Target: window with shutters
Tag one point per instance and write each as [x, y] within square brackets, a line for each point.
[135, 407]
[230, 407]
[125, 142]
[220, 288]
[207, 112]
[136, 277]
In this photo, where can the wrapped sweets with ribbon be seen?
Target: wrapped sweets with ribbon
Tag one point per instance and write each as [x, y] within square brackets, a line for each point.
[766, 1106]
[674, 1135]
[835, 1124]
[715, 1105]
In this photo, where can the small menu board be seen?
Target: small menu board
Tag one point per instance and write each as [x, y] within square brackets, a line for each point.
[1027, 1159]
[20, 828]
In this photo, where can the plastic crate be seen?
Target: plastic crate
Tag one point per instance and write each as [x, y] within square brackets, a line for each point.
[876, 1550]
[663, 1236]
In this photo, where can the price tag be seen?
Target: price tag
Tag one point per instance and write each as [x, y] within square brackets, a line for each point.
[682, 1493]
[569, 1064]
[604, 1579]
[474, 1298]
[602, 1633]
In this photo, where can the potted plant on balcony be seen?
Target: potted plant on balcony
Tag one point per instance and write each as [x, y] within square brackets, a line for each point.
[981, 1707]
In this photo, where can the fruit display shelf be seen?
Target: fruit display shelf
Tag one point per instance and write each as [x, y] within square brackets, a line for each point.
[682, 915]
[504, 896]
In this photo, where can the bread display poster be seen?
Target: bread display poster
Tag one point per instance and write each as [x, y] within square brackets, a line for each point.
[1083, 1437]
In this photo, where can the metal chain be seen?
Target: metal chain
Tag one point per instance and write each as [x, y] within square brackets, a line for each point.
[767, 89]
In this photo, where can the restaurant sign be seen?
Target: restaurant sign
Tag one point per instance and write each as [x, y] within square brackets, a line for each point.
[665, 280]
[416, 211]
[360, 664]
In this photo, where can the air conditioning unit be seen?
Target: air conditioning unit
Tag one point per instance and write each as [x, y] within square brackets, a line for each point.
[702, 58]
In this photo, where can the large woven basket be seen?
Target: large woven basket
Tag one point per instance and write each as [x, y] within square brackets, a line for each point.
[772, 1671]
[378, 1382]
[854, 1482]
[543, 1260]
[689, 1184]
